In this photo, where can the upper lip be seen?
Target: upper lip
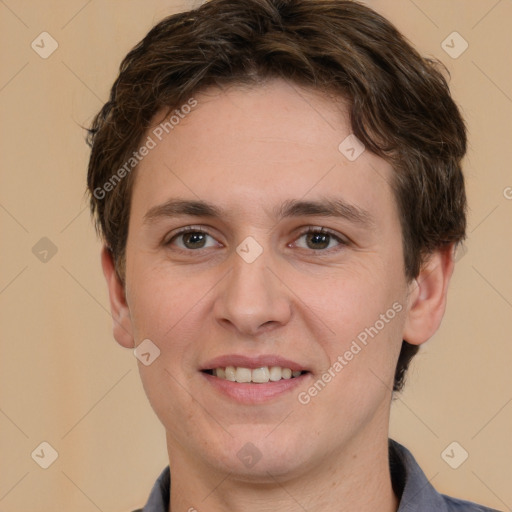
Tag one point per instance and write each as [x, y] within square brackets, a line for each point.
[252, 362]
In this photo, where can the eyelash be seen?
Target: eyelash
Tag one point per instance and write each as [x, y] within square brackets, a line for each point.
[308, 230]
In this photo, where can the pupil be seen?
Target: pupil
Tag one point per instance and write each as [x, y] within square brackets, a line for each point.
[194, 239]
[320, 240]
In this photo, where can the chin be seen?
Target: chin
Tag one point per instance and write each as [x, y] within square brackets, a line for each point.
[259, 459]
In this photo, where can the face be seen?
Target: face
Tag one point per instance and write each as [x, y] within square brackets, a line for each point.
[256, 247]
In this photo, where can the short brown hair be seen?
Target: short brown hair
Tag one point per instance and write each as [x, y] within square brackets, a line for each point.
[400, 105]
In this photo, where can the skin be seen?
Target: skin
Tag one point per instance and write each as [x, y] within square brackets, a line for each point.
[247, 150]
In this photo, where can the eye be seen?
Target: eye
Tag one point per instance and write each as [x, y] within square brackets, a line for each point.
[319, 239]
[192, 238]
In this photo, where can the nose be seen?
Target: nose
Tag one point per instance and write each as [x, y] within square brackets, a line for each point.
[252, 299]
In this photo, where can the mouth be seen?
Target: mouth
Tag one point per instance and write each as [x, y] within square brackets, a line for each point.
[254, 379]
[261, 375]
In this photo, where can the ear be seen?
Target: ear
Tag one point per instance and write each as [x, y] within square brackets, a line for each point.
[122, 325]
[427, 297]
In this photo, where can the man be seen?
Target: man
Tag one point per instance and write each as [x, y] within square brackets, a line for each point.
[279, 189]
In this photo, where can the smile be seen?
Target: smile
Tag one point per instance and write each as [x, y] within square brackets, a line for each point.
[260, 375]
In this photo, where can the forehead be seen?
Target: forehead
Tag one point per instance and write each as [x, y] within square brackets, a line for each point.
[257, 146]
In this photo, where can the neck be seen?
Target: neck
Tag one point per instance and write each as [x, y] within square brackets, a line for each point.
[356, 477]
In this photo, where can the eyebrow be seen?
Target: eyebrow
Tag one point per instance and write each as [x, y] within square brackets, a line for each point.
[323, 207]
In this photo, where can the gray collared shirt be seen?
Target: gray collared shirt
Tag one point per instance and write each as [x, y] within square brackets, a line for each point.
[409, 483]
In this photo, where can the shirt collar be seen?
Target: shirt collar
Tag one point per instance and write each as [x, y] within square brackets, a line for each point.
[410, 483]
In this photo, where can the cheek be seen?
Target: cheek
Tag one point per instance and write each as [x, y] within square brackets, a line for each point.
[350, 300]
[365, 313]
[162, 303]
[167, 309]
[166, 390]
[359, 379]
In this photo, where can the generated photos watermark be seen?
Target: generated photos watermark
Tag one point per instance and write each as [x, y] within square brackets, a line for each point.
[357, 345]
[152, 140]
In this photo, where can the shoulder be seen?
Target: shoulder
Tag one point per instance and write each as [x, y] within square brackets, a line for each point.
[414, 489]
[158, 500]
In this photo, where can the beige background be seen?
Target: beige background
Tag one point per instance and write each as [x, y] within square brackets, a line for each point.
[64, 380]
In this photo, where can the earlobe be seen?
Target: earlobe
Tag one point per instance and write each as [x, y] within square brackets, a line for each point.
[121, 320]
[427, 298]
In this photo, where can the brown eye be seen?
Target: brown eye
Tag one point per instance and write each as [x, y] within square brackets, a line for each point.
[190, 239]
[194, 240]
[319, 240]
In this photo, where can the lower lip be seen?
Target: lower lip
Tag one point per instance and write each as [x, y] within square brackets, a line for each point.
[253, 393]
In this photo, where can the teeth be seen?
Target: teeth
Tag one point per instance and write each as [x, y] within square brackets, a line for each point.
[258, 375]
[275, 373]
[243, 374]
[230, 373]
